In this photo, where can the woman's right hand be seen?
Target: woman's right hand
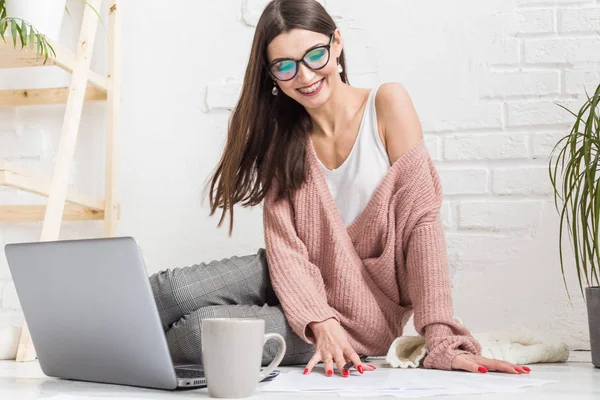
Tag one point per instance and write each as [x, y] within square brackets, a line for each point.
[331, 347]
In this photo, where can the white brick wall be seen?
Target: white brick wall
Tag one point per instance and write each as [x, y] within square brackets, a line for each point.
[464, 180]
[522, 180]
[538, 113]
[577, 81]
[579, 20]
[567, 50]
[504, 84]
[485, 146]
[499, 215]
[535, 21]
[485, 78]
[544, 143]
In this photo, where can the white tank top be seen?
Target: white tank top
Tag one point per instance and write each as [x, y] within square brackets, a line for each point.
[353, 183]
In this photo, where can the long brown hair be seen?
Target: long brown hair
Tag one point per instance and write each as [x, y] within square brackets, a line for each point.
[263, 125]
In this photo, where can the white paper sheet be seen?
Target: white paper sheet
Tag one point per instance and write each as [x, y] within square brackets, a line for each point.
[403, 383]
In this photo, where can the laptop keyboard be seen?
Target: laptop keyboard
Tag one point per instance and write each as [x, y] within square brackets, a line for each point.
[189, 373]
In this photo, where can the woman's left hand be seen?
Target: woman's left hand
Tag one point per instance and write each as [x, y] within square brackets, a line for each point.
[476, 363]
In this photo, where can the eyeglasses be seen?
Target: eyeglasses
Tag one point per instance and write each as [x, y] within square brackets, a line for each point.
[316, 58]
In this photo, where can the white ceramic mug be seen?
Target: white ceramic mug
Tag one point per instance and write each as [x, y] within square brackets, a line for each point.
[232, 353]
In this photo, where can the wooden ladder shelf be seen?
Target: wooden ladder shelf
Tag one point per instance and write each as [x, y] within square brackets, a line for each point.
[86, 85]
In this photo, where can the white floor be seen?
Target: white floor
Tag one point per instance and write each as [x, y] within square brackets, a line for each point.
[578, 379]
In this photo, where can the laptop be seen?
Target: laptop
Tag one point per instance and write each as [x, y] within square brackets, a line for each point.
[92, 314]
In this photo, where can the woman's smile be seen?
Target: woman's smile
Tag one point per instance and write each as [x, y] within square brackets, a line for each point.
[312, 89]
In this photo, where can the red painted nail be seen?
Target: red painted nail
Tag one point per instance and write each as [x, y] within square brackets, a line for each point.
[482, 369]
[346, 372]
[519, 370]
[360, 369]
[372, 366]
[306, 371]
[527, 369]
[329, 373]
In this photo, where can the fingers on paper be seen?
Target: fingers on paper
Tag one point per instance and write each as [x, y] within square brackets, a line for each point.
[340, 361]
[351, 354]
[316, 358]
[328, 364]
[501, 366]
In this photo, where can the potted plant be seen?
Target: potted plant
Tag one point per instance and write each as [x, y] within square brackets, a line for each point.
[33, 22]
[23, 30]
[578, 165]
[45, 15]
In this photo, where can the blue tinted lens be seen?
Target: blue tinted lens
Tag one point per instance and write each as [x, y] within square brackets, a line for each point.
[317, 58]
[284, 70]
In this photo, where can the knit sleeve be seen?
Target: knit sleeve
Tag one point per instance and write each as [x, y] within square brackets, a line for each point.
[428, 279]
[297, 282]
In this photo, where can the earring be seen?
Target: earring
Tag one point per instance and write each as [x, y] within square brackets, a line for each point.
[275, 91]
[339, 68]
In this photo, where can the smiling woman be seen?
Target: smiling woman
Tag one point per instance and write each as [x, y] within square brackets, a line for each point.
[293, 42]
[315, 58]
[354, 243]
[309, 79]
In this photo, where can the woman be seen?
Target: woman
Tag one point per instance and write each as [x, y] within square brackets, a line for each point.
[353, 240]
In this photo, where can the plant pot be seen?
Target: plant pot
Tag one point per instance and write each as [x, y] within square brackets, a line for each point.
[45, 15]
[592, 296]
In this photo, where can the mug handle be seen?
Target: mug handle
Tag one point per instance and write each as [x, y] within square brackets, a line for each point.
[280, 353]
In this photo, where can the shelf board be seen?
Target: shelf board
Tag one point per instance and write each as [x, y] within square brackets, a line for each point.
[26, 57]
[16, 58]
[30, 97]
[81, 207]
[35, 213]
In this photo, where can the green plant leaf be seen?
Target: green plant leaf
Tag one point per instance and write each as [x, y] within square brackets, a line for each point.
[38, 48]
[13, 32]
[3, 26]
[31, 38]
[45, 49]
[23, 34]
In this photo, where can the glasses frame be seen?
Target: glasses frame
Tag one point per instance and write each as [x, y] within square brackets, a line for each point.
[301, 60]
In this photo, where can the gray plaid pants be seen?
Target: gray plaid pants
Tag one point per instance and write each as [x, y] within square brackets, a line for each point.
[236, 287]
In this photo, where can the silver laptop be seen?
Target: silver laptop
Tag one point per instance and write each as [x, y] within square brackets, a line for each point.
[92, 314]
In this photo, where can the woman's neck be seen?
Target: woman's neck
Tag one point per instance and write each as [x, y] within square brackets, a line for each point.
[333, 117]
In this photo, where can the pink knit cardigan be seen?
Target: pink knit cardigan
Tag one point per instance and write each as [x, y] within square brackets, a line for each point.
[374, 274]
